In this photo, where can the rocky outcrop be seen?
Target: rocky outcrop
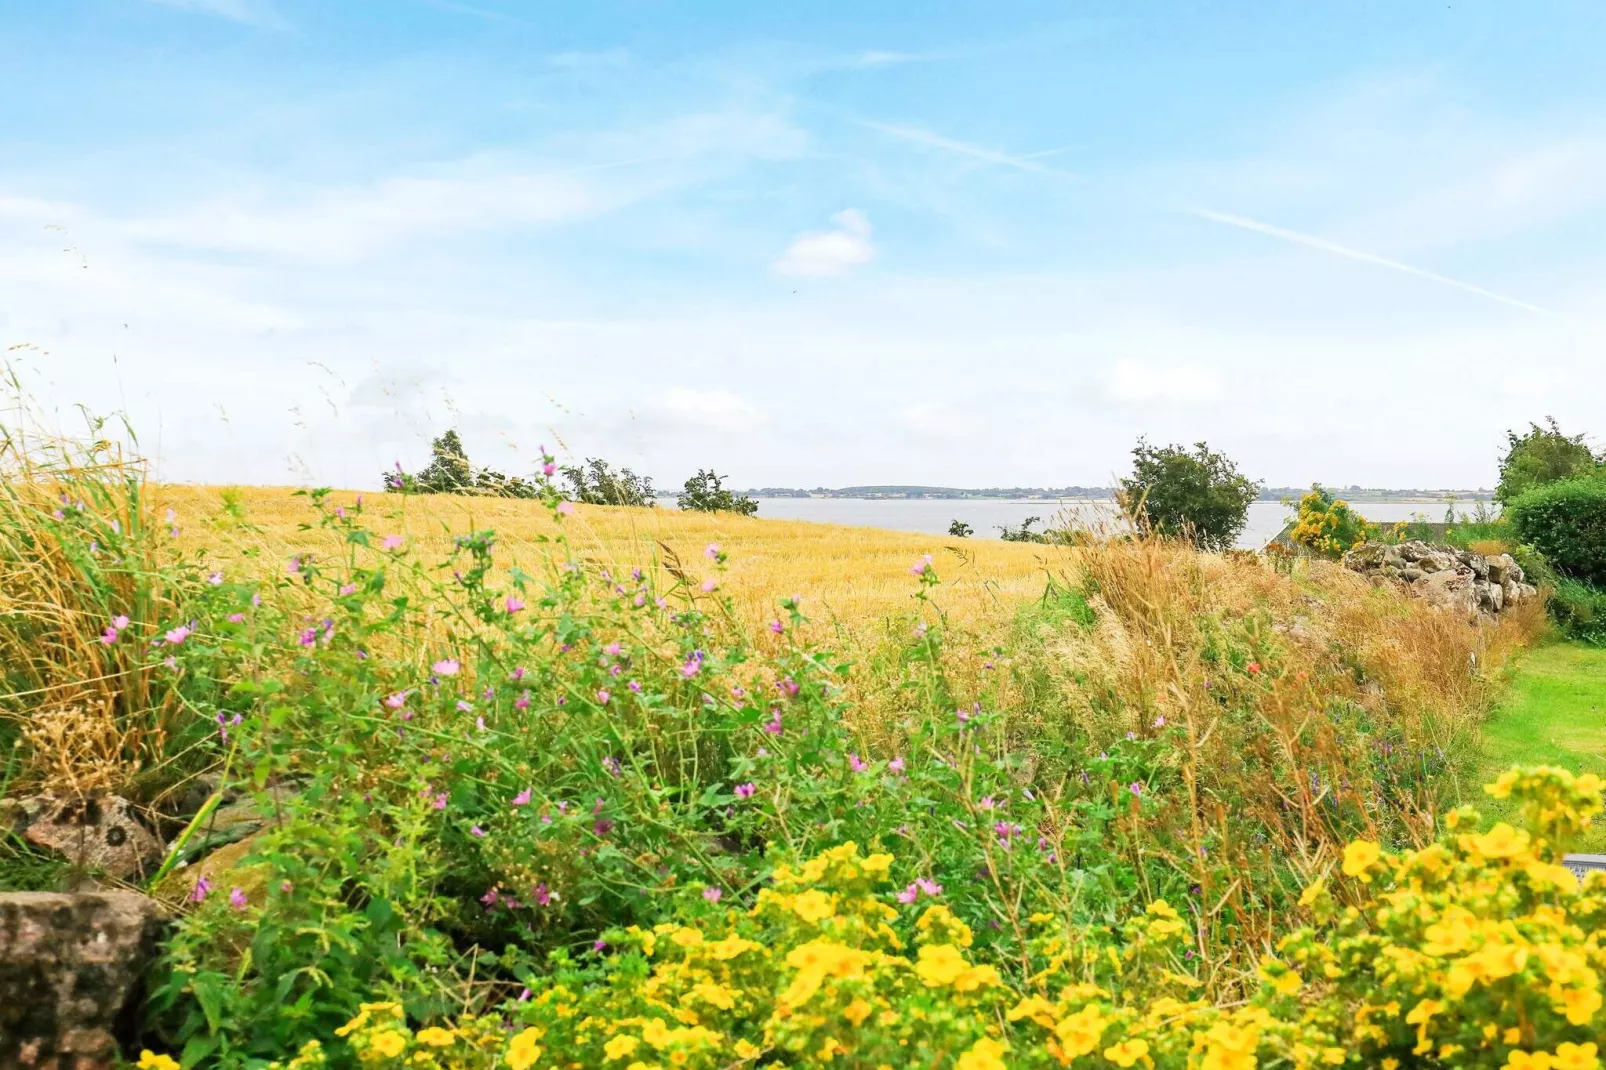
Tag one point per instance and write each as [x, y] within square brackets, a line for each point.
[69, 968]
[1457, 580]
[98, 833]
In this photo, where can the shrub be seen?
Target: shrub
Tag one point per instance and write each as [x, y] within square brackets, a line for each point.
[1477, 949]
[1022, 533]
[596, 483]
[1566, 522]
[1329, 526]
[1579, 610]
[1543, 455]
[960, 530]
[704, 494]
[1199, 496]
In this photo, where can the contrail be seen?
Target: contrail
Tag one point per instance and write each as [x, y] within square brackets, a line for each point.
[1370, 258]
[975, 152]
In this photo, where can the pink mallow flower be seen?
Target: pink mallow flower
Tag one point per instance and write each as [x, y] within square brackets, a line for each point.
[522, 798]
[237, 899]
[857, 764]
[745, 791]
[178, 635]
[514, 605]
[397, 700]
[391, 542]
[712, 894]
[446, 667]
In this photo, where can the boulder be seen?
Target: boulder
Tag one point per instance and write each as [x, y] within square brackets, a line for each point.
[1491, 599]
[96, 832]
[70, 965]
[1476, 562]
[1450, 590]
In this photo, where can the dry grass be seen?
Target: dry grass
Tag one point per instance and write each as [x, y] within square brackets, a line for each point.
[856, 577]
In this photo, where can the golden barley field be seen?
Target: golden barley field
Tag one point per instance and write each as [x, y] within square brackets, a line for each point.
[858, 578]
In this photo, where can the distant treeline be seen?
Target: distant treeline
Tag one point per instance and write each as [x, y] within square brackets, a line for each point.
[1266, 494]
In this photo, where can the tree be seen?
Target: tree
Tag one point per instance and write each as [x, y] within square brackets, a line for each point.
[449, 472]
[961, 530]
[1328, 525]
[596, 483]
[1200, 496]
[1024, 533]
[1543, 455]
[704, 493]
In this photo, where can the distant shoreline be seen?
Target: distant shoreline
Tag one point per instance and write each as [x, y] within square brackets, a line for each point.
[1055, 494]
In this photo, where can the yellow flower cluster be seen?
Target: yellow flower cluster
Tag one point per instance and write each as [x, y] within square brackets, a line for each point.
[1477, 950]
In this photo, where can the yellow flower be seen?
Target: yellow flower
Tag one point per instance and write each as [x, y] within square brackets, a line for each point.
[813, 906]
[436, 1037]
[1312, 893]
[985, 1054]
[939, 964]
[1522, 1060]
[522, 1050]
[687, 938]
[856, 1012]
[1036, 1008]
[620, 1047]
[388, 1043]
[1580, 1004]
[1079, 1034]
[878, 865]
[1127, 1052]
[149, 1060]
[1502, 841]
[1360, 857]
[1576, 1057]
[748, 1050]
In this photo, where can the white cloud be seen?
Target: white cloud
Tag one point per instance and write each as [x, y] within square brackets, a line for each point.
[1142, 382]
[708, 410]
[832, 252]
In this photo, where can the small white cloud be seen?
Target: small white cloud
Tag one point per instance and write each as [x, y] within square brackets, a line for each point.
[832, 252]
[711, 410]
[1141, 382]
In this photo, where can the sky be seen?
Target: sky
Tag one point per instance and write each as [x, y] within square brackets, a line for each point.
[964, 244]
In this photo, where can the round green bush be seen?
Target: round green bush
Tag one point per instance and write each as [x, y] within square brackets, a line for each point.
[1566, 522]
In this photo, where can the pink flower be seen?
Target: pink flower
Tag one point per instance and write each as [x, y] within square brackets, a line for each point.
[745, 791]
[788, 687]
[909, 894]
[517, 673]
[522, 798]
[109, 636]
[120, 622]
[294, 567]
[440, 801]
[465, 706]
[201, 889]
[215, 579]
[391, 542]
[611, 764]
[1159, 722]
[237, 899]
[1136, 788]
[309, 636]
[856, 764]
[773, 726]
[777, 627]
[446, 667]
[919, 567]
[236, 618]
[930, 887]
[347, 588]
[522, 702]
[178, 635]
[612, 650]
[988, 802]
[476, 831]
[712, 894]
[691, 668]
[603, 696]
[514, 605]
[896, 765]
[566, 508]
[540, 894]
[712, 552]
[709, 585]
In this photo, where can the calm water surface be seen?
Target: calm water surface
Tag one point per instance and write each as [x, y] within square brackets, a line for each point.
[932, 516]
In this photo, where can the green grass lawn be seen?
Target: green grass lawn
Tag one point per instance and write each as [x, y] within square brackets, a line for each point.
[1555, 714]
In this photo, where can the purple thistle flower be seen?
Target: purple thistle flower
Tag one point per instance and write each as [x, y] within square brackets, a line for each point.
[309, 636]
[612, 650]
[599, 945]
[109, 636]
[517, 673]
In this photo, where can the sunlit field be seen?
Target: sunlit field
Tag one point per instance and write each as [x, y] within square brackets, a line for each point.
[856, 577]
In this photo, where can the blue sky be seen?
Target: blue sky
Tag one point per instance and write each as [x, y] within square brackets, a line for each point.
[830, 243]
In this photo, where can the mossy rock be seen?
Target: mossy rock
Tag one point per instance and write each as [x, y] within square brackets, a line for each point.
[225, 869]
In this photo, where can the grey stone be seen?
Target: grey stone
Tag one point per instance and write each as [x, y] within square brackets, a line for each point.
[1449, 590]
[1411, 575]
[1501, 567]
[98, 832]
[1476, 562]
[70, 966]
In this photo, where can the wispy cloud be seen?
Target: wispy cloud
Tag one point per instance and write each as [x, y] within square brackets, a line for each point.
[917, 136]
[833, 252]
[1323, 244]
[256, 12]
